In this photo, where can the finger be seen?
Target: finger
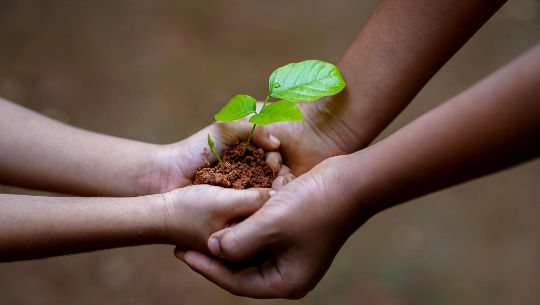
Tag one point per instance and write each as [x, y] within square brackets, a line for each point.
[285, 176]
[281, 181]
[251, 281]
[240, 203]
[273, 158]
[244, 240]
[228, 133]
[212, 269]
[264, 139]
[285, 170]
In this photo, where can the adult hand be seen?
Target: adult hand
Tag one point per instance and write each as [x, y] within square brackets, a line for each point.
[304, 225]
[322, 134]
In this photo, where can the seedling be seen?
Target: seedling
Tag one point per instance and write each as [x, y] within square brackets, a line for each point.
[211, 144]
[296, 82]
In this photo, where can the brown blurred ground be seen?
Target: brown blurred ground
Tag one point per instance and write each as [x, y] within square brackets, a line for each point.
[158, 70]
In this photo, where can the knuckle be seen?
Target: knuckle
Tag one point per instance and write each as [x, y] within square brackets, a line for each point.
[261, 131]
[256, 197]
[229, 245]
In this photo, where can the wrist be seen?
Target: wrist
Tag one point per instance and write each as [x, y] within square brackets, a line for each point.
[326, 120]
[371, 181]
[117, 166]
[147, 176]
[156, 222]
[330, 193]
[352, 195]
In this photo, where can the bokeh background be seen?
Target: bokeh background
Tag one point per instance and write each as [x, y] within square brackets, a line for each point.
[158, 70]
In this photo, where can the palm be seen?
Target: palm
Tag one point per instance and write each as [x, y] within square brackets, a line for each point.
[174, 165]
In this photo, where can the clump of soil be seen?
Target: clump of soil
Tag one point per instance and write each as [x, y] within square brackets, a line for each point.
[238, 172]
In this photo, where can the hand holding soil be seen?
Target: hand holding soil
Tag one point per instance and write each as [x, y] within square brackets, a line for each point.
[174, 165]
[303, 226]
[181, 214]
[276, 243]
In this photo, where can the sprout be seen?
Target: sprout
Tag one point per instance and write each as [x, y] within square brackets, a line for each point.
[296, 82]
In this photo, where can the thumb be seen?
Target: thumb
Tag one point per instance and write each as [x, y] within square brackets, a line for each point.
[242, 241]
[264, 139]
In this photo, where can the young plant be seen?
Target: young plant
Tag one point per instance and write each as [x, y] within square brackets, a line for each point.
[296, 82]
[211, 144]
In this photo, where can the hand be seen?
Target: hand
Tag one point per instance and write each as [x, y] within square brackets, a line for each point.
[173, 166]
[302, 145]
[193, 213]
[304, 225]
[322, 134]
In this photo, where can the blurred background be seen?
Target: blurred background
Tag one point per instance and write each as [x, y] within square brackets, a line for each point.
[158, 70]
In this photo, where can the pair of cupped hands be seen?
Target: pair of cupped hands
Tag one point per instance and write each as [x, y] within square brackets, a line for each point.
[289, 234]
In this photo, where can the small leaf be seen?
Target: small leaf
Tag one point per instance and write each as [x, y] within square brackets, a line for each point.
[280, 111]
[211, 144]
[238, 107]
[305, 81]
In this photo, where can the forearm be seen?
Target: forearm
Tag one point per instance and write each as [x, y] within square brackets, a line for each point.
[491, 126]
[401, 47]
[38, 152]
[36, 227]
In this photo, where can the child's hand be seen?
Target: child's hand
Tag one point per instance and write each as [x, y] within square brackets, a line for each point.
[173, 166]
[193, 213]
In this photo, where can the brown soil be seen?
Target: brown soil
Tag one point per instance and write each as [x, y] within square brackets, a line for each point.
[238, 172]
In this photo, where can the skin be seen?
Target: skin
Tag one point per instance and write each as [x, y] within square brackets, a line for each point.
[400, 48]
[489, 127]
[41, 153]
[382, 79]
[36, 227]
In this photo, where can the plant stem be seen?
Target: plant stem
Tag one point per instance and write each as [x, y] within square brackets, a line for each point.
[253, 129]
[266, 101]
[249, 139]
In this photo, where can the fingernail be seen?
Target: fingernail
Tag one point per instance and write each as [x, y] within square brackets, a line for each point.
[277, 185]
[213, 245]
[288, 178]
[274, 140]
[271, 193]
[179, 253]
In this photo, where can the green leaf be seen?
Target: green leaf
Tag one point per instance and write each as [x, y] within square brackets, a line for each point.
[280, 111]
[305, 81]
[211, 144]
[238, 107]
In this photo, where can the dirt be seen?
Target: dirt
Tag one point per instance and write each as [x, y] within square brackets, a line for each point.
[236, 171]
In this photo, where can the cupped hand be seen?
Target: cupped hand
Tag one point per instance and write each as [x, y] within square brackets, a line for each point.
[302, 145]
[174, 165]
[304, 225]
[191, 214]
[322, 134]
